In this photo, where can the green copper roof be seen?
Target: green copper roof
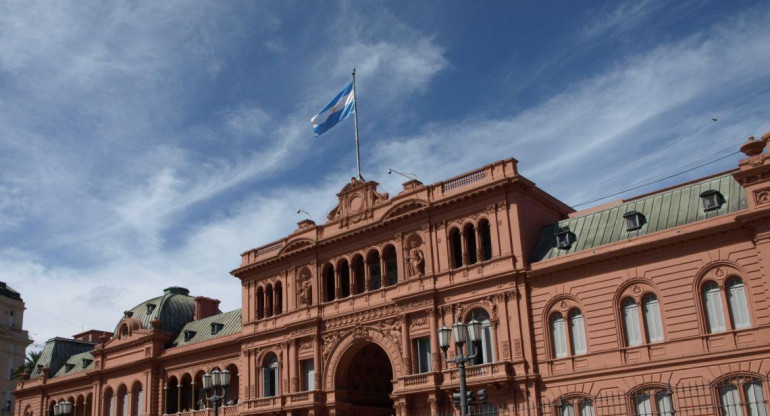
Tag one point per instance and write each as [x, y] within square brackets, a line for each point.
[174, 309]
[664, 210]
[57, 351]
[76, 363]
[230, 323]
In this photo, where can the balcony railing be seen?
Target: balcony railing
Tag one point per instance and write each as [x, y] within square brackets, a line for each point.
[415, 380]
[495, 370]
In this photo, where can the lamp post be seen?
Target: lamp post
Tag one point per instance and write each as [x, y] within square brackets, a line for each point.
[62, 409]
[462, 334]
[212, 383]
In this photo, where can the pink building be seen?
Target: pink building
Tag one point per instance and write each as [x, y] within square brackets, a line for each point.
[656, 305]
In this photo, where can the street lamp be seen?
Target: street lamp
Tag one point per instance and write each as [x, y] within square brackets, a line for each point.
[212, 383]
[462, 334]
[63, 408]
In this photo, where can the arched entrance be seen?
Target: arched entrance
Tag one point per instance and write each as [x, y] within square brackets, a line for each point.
[364, 381]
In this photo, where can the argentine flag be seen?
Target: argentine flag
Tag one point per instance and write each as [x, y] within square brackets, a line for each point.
[343, 105]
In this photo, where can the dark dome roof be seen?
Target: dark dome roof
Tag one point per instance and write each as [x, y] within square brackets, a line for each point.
[174, 309]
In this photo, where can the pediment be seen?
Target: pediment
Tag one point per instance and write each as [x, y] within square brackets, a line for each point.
[296, 245]
[405, 207]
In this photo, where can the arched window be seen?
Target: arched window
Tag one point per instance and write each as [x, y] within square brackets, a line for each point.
[137, 400]
[575, 406]
[329, 283]
[655, 401]
[558, 335]
[712, 300]
[269, 301]
[109, 401]
[358, 275]
[278, 298]
[631, 322]
[375, 274]
[742, 396]
[260, 303]
[469, 234]
[391, 265]
[344, 271]
[739, 308]
[486, 240]
[484, 347]
[577, 332]
[455, 248]
[652, 322]
[270, 380]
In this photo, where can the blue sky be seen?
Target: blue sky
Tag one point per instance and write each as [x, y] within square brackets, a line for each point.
[148, 144]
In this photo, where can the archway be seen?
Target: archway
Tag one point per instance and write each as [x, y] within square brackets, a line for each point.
[364, 381]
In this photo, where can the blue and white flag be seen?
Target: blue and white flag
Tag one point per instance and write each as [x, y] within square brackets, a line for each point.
[342, 106]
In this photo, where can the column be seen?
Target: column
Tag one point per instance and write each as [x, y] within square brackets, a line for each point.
[165, 399]
[179, 395]
[337, 286]
[294, 358]
[479, 245]
[405, 339]
[317, 362]
[352, 278]
[367, 276]
[433, 402]
[435, 355]
[505, 344]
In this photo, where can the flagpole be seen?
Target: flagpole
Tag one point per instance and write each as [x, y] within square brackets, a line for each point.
[355, 111]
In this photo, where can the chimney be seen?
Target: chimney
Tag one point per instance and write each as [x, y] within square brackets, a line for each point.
[205, 307]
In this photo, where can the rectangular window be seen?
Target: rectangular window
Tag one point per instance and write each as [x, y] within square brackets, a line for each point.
[308, 375]
[559, 341]
[738, 306]
[716, 317]
[567, 410]
[652, 318]
[731, 402]
[755, 399]
[422, 349]
[10, 368]
[631, 319]
[270, 381]
[643, 405]
[665, 405]
[578, 333]
[586, 408]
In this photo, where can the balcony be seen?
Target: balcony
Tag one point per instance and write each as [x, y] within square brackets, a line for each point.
[489, 372]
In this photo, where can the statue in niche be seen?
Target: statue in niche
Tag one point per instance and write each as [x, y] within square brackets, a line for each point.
[416, 260]
[304, 291]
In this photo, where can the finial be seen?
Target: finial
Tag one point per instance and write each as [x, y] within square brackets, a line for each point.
[753, 147]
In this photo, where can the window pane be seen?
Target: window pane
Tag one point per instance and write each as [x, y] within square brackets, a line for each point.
[713, 302]
[423, 354]
[755, 399]
[586, 408]
[487, 342]
[559, 337]
[730, 401]
[567, 409]
[739, 308]
[643, 405]
[631, 320]
[309, 370]
[652, 318]
[665, 404]
[577, 330]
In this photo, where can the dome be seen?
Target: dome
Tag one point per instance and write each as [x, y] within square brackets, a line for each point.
[174, 309]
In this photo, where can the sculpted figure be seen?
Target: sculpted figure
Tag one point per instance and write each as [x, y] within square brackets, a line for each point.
[416, 260]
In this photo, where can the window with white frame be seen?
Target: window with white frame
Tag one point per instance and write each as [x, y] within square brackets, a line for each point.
[739, 308]
[270, 380]
[484, 347]
[558, 335]
[631, 322]
[652, 321]
[577, 332]
[422, 351]
[712, 301]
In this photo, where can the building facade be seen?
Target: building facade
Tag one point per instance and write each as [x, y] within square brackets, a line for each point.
[652, 305]
[13, 343]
